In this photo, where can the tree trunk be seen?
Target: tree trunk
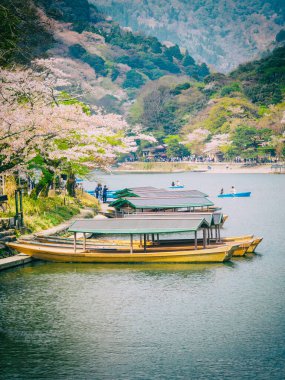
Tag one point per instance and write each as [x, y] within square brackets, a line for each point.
[70, 185]
[42, 187]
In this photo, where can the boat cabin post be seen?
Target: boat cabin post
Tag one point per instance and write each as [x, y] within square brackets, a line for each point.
[204, 238]
[144, 243]
[84, 241]
[196, 243]
[74, 244]
[219, 234]
[131, 244]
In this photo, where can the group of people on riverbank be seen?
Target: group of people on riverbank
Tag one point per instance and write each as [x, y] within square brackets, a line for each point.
[101, 192]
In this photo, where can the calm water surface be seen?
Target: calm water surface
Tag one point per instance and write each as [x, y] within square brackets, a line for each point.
[72, 321]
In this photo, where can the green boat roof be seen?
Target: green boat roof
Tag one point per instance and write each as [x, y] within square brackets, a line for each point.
[152, 192]
[161, 203]
[210, 218]
[136, 226]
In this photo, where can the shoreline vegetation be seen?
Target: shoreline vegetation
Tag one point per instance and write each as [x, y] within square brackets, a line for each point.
[50, 213]
[46, 212]
[207, 167]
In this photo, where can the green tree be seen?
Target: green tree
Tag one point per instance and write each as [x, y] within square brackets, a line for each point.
[188, 60]
[246, 141]
[175, 148]
[133, 80]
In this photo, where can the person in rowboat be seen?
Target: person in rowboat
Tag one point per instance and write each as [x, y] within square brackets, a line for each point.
[233, 190]
[222, 191]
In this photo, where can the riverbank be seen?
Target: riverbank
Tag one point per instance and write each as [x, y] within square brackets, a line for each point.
[47, 216]
[15, 261]
[154, 167]
[209, 168]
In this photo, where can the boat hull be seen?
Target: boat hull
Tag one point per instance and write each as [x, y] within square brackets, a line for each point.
[253, 246]
[56, 254]
[237, 195]
[244, 244]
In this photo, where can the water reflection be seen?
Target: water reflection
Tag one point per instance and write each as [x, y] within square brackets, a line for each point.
[155, 321]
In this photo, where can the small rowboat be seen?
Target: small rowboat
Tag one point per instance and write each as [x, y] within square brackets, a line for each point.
[177, 187]
[237, 195]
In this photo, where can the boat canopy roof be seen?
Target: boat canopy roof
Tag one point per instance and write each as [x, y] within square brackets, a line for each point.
[136, 226]
[151, 192]
[161, 203]
[211, 219]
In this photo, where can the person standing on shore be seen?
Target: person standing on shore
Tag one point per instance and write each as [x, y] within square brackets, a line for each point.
[105, 190]
[97, 191]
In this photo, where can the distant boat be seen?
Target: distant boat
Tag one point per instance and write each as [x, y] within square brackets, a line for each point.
[177, 187]
[236, 195]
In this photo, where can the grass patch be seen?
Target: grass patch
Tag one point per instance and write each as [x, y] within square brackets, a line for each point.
[48, 212]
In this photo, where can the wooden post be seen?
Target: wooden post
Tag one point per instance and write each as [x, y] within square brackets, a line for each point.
[152, 238]
[219, 234]
[144, 243]
[84, 241]
[204, 237]
[140, 240]
[131, 245]
[74, 242]
[208, 231]
[21, 208]
[157, 238]
[216, 234]
[16, 209]
[196, 244]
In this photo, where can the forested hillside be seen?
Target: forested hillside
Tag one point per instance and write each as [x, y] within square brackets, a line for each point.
[159, 87]
[209, 115]
[221, 33]
[107, 64]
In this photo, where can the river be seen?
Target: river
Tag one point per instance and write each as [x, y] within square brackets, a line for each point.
[224, 321]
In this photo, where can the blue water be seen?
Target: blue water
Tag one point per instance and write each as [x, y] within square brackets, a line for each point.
[224, 321]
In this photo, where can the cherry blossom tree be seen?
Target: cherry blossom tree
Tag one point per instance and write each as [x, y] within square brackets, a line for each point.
[37, 122]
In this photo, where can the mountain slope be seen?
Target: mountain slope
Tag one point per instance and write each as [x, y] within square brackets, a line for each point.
[105, 64]
[251, 95]
[221, 33]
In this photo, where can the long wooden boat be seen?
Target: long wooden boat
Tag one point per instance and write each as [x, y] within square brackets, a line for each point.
[244, 244]
[137, 251]
[255, 241]
[241, 247]
[47, 252]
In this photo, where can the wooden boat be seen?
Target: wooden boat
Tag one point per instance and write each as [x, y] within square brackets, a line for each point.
[236, 195]
[254, 241]
[240, 248]
[136, 252]
[49, 252]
